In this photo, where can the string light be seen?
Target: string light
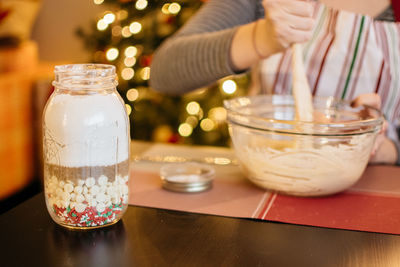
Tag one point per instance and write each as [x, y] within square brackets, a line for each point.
[98, 2]
[101, 25]
[112, 54]
[135, 27]
[116, 30]
[185, 129]
[130, 51]
[109, 18]
[193, 108]
[128, 109]
[217, 114]
[122, 14]
[229, 87]
[132, 94]
[207, 125]
[192, 120]
[141, 4]
[145, 73]
[126, 32]
[174, 8]
[129, 61]
[164, 9]
[127, 73]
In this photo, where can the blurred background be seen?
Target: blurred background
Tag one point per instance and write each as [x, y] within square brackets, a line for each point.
[36, 35]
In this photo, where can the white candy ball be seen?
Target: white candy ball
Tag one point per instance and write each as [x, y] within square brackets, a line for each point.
[65, 196]
[80, 207]
[103, 180]
[81, 182]
[94, 190]
[68, 188]
[61, 184]
[78, 189]
[90, 182]
[100, 197]
[80, 198]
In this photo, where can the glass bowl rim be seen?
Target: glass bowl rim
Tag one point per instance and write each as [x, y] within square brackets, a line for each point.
[370, 125]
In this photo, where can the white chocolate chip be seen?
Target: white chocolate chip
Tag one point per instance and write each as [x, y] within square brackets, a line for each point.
[68, 188]
[103, 180]
[80, 207]
[90, 182]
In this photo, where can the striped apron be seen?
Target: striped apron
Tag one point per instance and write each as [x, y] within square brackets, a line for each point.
[348, 55]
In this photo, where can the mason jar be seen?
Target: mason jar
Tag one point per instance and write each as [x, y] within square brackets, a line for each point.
[86, 148]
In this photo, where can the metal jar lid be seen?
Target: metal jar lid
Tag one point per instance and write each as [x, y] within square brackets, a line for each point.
[187, 177]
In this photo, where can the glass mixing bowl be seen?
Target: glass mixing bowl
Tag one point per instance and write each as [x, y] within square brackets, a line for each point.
[300, 158]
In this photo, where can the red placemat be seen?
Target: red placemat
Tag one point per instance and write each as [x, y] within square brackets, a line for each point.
[373, 204]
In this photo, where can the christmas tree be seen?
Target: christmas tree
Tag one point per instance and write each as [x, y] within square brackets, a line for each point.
[126, 36]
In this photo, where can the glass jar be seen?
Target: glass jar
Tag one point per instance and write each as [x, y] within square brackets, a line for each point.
[86, 148]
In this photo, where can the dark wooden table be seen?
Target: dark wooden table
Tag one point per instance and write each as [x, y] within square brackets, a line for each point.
[156, 237]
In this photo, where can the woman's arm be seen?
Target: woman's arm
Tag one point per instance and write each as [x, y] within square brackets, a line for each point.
[199, 53]
[223, 39]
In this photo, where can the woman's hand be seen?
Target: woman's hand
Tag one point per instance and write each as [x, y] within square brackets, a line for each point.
[286, 22]
[384, 151]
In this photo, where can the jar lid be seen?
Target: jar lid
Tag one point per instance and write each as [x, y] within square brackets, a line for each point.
[187, 177]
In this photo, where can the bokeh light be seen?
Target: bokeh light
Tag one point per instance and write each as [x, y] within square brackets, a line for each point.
[127, 73]
[130, 51]
[109, 18]
[174, 8]
[101, 25]
[128, 109]
[193, 108]
[112, 54]
[207, 125]
[145, 73]
[141, 4]
[135, 27]
[132, 94]
[130, 61]
[185, 129]
[229, 86]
